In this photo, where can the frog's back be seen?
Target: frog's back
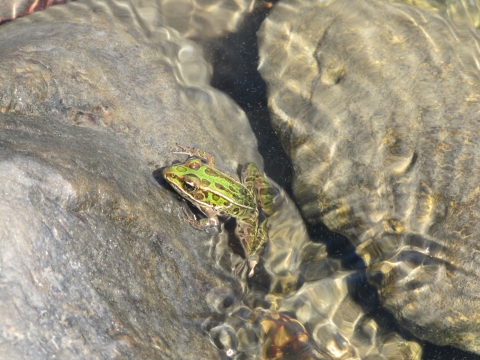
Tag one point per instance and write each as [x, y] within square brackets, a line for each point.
[234, 195]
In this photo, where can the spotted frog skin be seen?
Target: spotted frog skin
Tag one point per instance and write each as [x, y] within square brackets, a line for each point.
[217, 194]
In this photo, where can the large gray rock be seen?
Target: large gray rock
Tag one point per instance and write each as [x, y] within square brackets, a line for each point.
[89, 266]
[67, 62]
[377, 104]
[191, 18]
[94, 260]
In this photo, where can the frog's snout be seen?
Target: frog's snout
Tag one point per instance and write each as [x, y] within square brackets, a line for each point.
[167, 174]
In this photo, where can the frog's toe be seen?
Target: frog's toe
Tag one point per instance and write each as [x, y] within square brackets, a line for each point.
[252, 265]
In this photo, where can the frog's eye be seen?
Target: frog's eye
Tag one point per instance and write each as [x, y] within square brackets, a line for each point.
[190, 186]
[191, 183]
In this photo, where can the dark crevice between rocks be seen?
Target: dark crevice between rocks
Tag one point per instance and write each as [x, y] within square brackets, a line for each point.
[338, 246]
[435, 352]
[234, 59]
[366, 296]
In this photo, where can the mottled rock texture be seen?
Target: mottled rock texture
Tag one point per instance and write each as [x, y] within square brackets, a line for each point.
[94, 260]
[201, 18]
[192, 18]
[12, 9]
[461, 12]
[377, 104]
[89, 268]
[92, 65]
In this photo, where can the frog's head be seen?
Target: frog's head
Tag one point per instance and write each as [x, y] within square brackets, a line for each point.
[183, 179]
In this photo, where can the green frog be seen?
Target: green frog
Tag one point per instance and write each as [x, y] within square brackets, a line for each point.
[216, 195]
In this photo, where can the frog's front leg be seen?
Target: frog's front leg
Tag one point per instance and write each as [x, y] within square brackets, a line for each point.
[202, 224]
[198, 153]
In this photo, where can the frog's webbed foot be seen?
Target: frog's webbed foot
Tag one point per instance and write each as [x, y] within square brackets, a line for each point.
[202, 224]
[198, 153]
[240, 266]
[251, 266]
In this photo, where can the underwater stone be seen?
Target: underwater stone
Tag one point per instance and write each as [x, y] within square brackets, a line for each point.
[94, 259]
[377, 104]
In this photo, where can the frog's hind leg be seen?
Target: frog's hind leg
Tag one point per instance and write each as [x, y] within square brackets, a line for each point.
[257, 247]
[265, 193]
[198, 153]
[249, 177]
[253, 239]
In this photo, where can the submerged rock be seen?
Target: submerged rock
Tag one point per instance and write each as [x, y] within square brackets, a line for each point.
[377, 104]
[191, 18]
[203, 18]
[461, 12]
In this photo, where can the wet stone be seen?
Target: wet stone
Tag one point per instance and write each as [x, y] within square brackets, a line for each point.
[191, 18]
[377, 104]
[10, 10]
[204, 18]
[149, 88]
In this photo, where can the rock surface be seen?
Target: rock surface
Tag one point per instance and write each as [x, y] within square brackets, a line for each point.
[108, 70]
[12, 9]
[201, 18]
[461, 12]
[377, 104]
[191, 18]
[88, 267]
[94, 260]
